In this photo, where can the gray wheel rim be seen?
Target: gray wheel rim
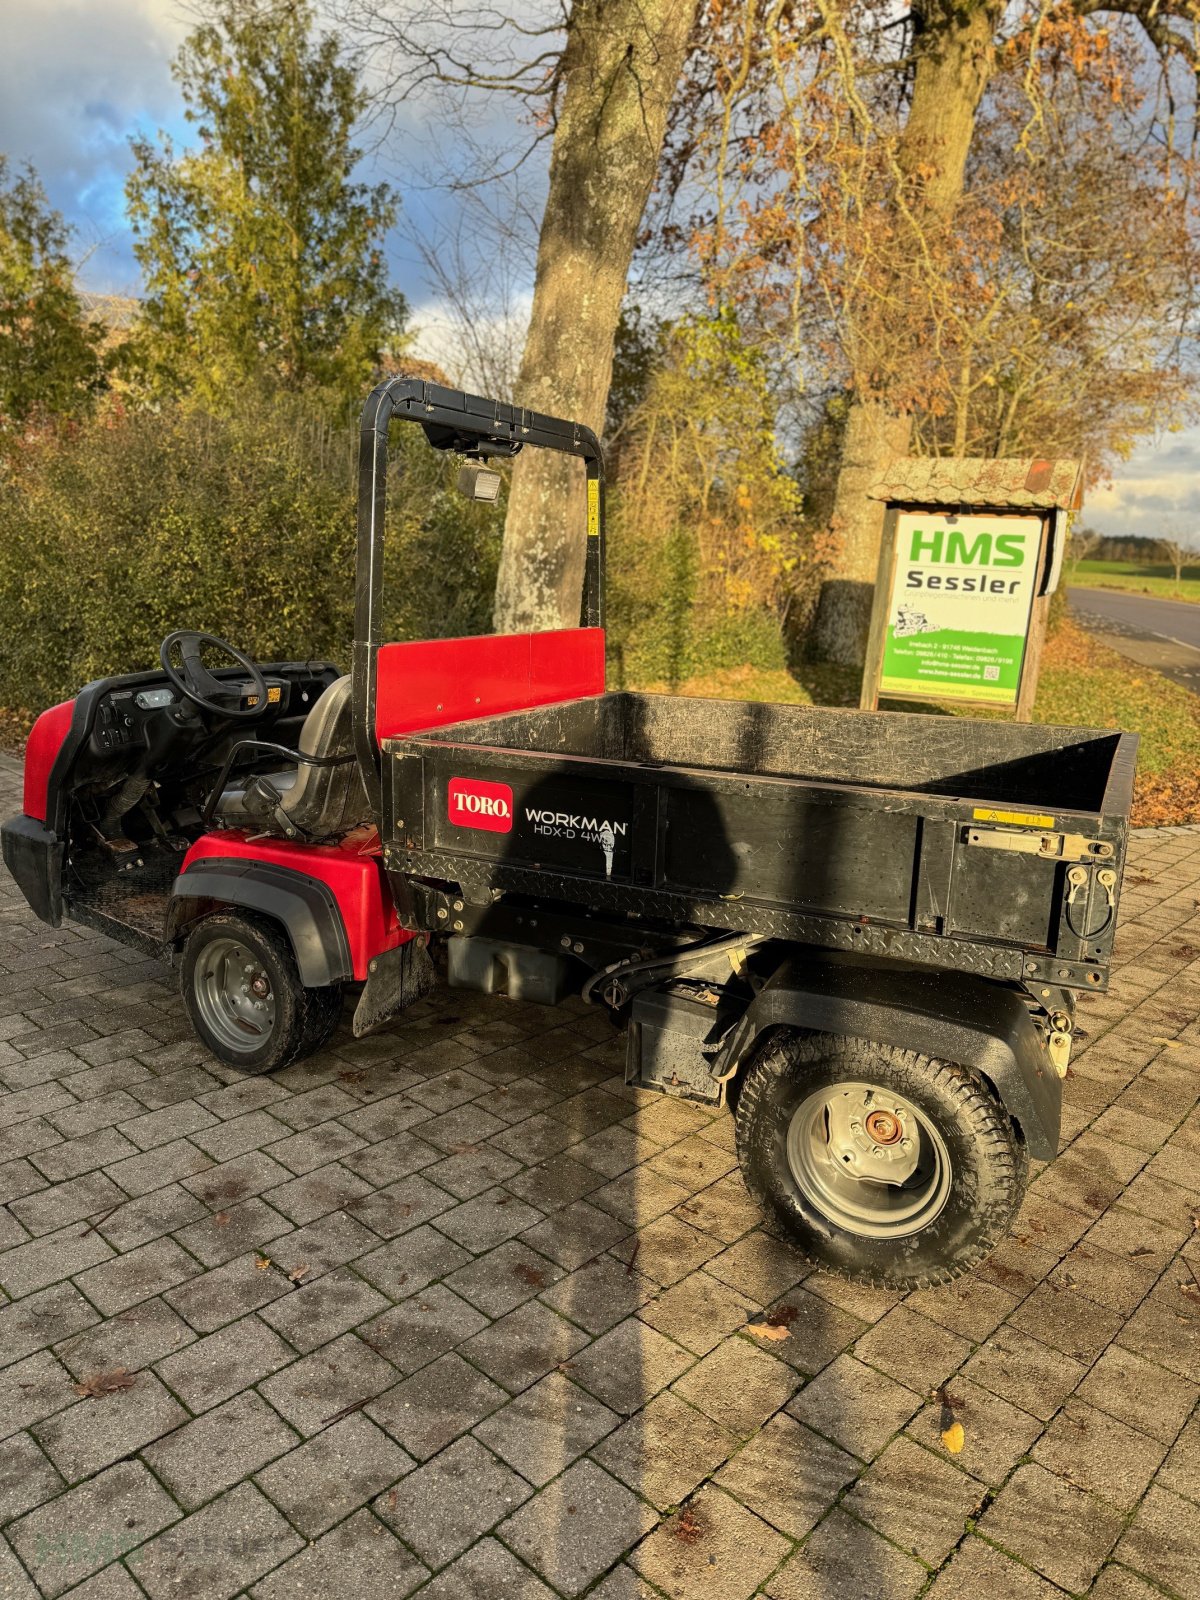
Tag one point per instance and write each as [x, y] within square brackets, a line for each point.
[869, 1160]
[234, 996]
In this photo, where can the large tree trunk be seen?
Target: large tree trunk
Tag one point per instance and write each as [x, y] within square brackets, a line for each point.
[622, 63]
[956, 55]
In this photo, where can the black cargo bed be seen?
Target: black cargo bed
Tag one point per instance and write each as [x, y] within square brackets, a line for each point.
[944, 840]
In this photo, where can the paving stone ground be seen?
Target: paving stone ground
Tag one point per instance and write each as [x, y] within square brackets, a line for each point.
[452, 1312]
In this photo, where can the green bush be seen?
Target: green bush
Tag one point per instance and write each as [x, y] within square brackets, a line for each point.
[242, 525]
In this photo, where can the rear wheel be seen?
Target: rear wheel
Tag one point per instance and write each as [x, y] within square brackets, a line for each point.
[887, 1166]
[245, 998]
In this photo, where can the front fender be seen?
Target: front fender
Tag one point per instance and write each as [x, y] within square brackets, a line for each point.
[304, 906]
[953, 1016]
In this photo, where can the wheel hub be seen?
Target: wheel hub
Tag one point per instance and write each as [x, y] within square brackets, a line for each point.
[869, 1160]
[884, 1128]
[234, 996]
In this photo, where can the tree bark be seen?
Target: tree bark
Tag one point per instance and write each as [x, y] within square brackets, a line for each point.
[956, 54]
[622, 62]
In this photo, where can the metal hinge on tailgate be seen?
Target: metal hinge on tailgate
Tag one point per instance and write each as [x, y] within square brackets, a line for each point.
[1054, 846]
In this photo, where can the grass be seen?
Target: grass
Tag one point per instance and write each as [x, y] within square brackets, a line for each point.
[1137, 578]
[1083, 683]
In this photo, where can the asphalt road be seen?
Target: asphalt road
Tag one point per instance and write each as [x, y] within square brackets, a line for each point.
[1162, 634]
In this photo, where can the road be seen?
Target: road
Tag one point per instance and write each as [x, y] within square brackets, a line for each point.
[1163, 634]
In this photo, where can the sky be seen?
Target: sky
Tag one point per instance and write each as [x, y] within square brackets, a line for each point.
[79, 77]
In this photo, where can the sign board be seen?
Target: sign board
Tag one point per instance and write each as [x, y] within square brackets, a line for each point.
[959, 603]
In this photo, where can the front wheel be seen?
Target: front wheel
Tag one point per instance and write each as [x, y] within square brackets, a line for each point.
[245, 998]
[889, 1167]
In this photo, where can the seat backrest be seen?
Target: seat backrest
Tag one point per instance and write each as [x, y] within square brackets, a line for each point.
[325, 801]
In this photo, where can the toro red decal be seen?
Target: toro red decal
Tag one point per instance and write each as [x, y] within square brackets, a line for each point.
[472, 803]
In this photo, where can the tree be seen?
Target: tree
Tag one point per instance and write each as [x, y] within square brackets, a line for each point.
[939, 213]
[595, 80]
[619, 72]
[954, 47]
[49, 361]
[1082, 544]
[1179, 549]
[262, 258]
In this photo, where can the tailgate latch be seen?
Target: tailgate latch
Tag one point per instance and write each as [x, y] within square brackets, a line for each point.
[1053, 846]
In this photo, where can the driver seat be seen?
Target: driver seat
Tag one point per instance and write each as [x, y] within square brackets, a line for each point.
[306, 802]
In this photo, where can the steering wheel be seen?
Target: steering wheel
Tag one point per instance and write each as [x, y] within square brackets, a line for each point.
[197, 684]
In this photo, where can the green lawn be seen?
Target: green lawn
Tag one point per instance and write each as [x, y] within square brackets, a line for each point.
[1148, 578]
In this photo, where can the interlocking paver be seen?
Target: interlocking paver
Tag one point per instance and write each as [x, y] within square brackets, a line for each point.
[137, 1275]
[218, 1551]
[27, 1477]
[788, 1475]
[577, 1527]
[93, 1433]
[1096, 1452]
[219, 1449]
[436, 1405]
[359, 1558]
[487, 1572]
[714, 1549]
[845, 1560]
[314, 1390]
[456, 1497]
[335, 1473]
[666, 1450]
[919, 1502]
[210, 1370]
[738, 1386]
[1061, 1531]
[90, 1526]
[518, 1349]
[546, 1428]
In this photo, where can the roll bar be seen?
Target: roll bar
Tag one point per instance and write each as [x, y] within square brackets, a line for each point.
[472, 426]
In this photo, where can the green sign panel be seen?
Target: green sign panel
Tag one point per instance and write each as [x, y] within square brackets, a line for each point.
[958, 612]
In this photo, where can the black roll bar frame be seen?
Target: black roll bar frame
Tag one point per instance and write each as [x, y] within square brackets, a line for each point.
[472, 426]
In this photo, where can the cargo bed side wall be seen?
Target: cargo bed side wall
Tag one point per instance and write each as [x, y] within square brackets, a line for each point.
[1040, 768]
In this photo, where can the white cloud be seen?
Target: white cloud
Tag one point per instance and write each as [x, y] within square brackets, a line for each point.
[77, 77]
[1155, 492]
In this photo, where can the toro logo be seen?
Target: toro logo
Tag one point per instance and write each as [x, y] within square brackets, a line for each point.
[473, 803]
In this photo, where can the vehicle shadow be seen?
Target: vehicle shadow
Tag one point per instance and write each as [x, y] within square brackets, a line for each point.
[675, 1436]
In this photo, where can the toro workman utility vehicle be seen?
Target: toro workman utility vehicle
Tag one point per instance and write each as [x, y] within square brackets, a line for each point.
[864, 931]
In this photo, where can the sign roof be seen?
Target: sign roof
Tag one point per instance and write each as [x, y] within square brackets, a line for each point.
[1025, 484]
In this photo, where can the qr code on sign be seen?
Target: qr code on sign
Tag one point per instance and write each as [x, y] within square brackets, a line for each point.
[991, 672]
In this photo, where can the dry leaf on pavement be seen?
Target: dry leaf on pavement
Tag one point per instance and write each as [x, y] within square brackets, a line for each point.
[99, 1384]
[767, 1330]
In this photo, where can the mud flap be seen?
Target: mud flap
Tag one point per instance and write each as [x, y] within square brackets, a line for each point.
[396, 980]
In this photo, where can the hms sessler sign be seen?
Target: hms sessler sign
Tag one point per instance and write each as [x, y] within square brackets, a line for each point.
[958, 611]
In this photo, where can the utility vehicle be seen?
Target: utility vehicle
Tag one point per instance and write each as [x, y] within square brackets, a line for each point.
[863, 931]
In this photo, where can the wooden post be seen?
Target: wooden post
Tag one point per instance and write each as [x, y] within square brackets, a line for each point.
[868, 699]
[1039, 616]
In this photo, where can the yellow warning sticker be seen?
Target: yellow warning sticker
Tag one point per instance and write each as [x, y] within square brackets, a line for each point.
[1022, 819]
[593, 504]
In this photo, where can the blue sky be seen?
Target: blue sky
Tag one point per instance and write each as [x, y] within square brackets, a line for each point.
[78, 77]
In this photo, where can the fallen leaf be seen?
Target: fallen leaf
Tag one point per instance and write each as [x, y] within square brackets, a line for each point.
[954, 1438]
[688, 1529]
[262, 1262]
[767, 1330]
[1141, 1250]
[297, 1274]
[1171, 1044]
[221, 1219]
[1191, 1292]
[100, 1384]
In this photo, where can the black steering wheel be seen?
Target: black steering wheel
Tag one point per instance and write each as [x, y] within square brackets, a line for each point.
[197, 684]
